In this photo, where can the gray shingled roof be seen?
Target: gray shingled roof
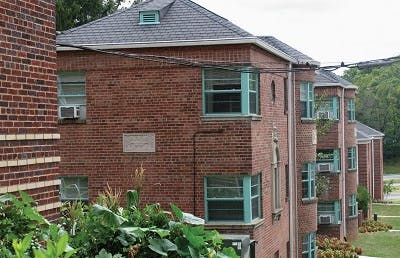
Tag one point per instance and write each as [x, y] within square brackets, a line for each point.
[184, 20]
[326, 78]
[365, 132]
[294, 53]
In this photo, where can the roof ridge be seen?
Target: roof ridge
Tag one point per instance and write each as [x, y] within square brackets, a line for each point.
[105, 17]
[205, 13]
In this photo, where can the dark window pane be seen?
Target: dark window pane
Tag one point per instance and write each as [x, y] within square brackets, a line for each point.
[255, 209]
[303, 106]
[305, 190]
[253, 102]
[223, 102]
[225, 210]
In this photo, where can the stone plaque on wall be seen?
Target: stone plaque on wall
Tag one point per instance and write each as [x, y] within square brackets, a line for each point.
[139, 142]
[314, 137]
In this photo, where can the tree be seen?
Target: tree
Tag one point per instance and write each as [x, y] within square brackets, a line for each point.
[378, 102]
[73, 13]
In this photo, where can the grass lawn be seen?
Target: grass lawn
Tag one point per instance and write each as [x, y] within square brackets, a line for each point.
[391, 166]
[379, 244]
[395, 222]
[395, 181]
[386, 210]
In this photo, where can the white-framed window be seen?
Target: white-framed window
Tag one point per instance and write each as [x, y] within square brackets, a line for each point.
[309, 248]
[74, 188]
[352, 205]
[307, 100]
[232, 198]
[228, 91]
[352, 157]
[308, 181]
[71, 92]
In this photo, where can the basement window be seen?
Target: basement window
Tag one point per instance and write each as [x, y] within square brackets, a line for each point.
[232, 198]
[74, 188]
[149, 17]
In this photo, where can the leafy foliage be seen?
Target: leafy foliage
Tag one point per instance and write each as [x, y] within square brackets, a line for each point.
[374, 226]
[73, 13]
[363, 198]
[388, 187]
[378, 102]
[335, 248]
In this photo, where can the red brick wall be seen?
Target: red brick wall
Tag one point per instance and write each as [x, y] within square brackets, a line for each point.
[305, 152]
[378, 162]
[28, 98]
[135, 96]
[364, 165]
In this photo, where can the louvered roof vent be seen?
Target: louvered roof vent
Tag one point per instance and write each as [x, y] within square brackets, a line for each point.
[151, 12]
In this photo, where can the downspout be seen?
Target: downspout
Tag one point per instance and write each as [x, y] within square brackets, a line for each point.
[194, 163]
[343, 171]
[291, 85]
[373, 167]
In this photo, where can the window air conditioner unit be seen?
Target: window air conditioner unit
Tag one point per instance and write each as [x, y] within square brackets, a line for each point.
[68, 112]
[240, 243]
[324, 167]
[324, 114]
[325, 219]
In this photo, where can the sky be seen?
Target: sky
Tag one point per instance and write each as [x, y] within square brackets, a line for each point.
[329, 31]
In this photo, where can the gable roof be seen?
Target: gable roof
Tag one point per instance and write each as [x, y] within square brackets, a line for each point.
[184, 20]
[182, 23]
[365, 132]
[325, 78]
[294, 53]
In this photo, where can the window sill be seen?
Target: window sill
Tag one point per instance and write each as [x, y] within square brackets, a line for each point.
[71, 121]
[309, 201]
[352, 170]
[220, 225]
[308, 120]
[352, 121]
[231, 117]
[353, 217]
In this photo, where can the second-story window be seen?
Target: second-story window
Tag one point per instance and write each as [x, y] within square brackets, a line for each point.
[307, 100]
[351, 110]
[328, 108]
[308, 181]
[352, 158]
[328, 160]
[230, 91]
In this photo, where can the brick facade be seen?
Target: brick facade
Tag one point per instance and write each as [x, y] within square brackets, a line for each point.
[135, 96]
[342, 135]
[28, 102]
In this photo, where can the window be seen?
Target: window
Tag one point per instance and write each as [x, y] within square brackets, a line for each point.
[308, 181]
[351, 110]
[352, 156]
[149, 17]
[352, 205]
[329, 210]
[273, 91]
[328, 160]
[309, 245]
[276, 182]
[232, 198]
[328, 108]
[230, 92]
[74, 188]
[307, 100]
[72, 92]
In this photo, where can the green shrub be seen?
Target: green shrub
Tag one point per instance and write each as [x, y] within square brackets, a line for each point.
[363, 198]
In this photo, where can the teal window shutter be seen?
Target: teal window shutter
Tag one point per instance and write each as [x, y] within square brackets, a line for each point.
[335, 107]
[352, 157]
[308, 180]
[307, 100]
[351, 110]
[336, 160]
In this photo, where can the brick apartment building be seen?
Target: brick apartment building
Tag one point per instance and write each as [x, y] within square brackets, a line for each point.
[28, 102]
[337, 156]
[370, 160]
[205, 107]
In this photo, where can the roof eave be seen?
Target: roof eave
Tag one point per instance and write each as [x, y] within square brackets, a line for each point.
[337, 84]
[180, 43]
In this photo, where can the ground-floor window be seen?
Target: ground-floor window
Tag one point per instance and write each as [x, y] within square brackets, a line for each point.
[232, 198]
[74, 188]
[309, 245]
